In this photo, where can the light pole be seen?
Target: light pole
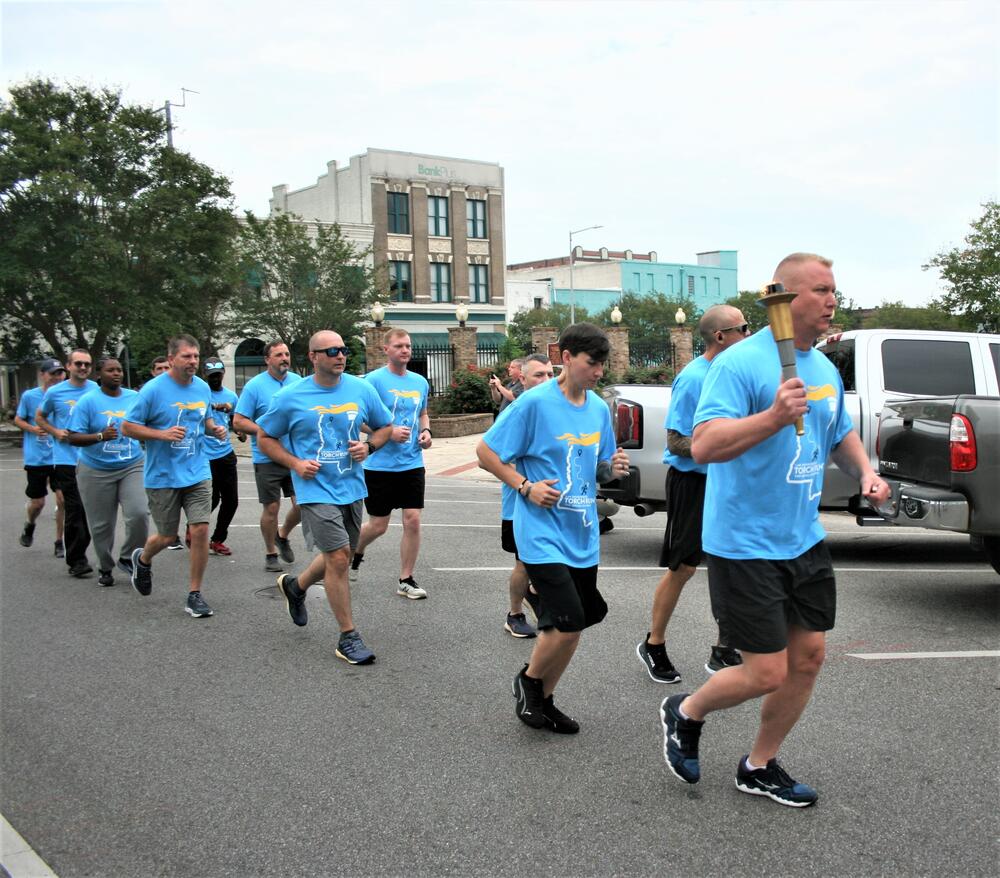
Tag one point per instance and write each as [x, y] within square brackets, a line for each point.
[572, 290]
[166, 112]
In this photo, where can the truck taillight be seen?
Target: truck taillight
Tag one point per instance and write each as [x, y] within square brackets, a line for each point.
[962, 439]
[628, 425]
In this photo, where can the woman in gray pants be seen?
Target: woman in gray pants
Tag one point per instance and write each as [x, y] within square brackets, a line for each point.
[109, 472]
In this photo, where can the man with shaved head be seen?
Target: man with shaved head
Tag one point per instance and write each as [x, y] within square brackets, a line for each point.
[320, 419]
[721, 326]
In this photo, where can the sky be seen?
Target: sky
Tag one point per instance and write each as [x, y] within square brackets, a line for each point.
[864, 131]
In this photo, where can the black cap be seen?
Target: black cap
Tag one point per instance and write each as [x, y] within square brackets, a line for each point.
[49, 365]
[214, 365]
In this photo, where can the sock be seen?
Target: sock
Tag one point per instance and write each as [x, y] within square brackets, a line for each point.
[408, 579]
[356, 561]
[680, 710]
[751, 766]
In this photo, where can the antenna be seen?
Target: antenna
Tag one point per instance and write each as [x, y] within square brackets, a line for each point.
[166, 112]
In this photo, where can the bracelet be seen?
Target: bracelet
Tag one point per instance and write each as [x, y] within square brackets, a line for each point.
[427, 430]
[520, 488]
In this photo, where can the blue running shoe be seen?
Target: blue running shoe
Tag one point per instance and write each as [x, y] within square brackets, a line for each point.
[775, 783]
[351, 648]
[295, 598]
[680, 740]
[141, 575]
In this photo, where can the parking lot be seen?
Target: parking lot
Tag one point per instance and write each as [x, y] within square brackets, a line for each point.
[138, 741]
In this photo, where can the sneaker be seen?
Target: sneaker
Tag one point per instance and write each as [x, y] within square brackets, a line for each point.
[285, 549]
[352, 573]
[105, 579]
[81, 570]
[187, 536]
[196, 605]
[658, 666]
[142, 574]
[175, 546]
[517, 626]
[530, 707]
[27, 535]
[774, 782]
[60, 549]
[217, 548]
[409, 589]
[557, 721]
[605, 525]
[271, 564]
[534, 603]
[680, 740]
[723, 657]
[351, 648]
[295, 598]
[125, 565]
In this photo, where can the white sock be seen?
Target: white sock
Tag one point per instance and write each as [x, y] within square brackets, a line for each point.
[753, 767]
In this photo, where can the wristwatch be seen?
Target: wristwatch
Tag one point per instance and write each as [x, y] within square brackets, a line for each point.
[371, 448]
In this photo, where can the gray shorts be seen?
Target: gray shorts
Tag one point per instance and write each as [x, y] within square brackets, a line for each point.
[328, 527]
[273, 482]
[165, 506]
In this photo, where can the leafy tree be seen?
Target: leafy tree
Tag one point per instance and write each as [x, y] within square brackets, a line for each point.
[896, 315]
[299, 278]
[557, 315]
[649, 317]
[973, 272]
[106, 233]
[848, 313]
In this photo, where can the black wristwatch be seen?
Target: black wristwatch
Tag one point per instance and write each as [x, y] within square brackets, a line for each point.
[371, 448]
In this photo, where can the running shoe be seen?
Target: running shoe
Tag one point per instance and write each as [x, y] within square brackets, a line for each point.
[351, 648]
[105, 579]
[295, 598]
[352, 573]
[59, 550]
[657, 663]
[518, 626]
[285, 549]
[530, 701]
[271, 564]
[125, 565]
[556, 721]
[176, 545]
[196, 605]
[142, 574]
[81, 570]
[723, 657]
[27, 535]
[680, 740]
[217, 548]
[775, 783]
[409, 589]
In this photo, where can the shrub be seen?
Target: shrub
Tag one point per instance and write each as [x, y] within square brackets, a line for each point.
[469, 393]
[655, 375]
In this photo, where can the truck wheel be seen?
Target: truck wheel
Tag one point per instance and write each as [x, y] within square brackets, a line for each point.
[991, 546]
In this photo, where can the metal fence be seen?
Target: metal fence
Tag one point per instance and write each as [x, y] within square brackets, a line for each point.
[435, 362]
[487, 355]
[650, 354]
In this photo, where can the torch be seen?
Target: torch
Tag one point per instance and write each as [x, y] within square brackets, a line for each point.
[779, 316]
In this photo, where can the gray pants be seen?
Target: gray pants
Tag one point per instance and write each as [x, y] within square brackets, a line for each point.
[103, 491]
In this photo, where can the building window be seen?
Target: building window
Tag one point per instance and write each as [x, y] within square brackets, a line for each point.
[691, 285]
[479, 285]
[475, 212]
[398, 204]
[538, 303]
[637, 281]
[437, 216]
[440, 282]
[652, 283]
[400, 288]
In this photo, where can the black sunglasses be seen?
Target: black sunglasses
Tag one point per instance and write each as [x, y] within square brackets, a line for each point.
[81, 363]
[333, 351]
[743, 328]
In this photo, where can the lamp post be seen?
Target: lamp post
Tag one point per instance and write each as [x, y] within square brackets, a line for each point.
[572, 291]
[616, 315]
[462, 314]
[680, 317]
[378, 313]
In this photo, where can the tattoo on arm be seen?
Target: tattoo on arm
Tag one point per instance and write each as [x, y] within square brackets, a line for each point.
[678, 444]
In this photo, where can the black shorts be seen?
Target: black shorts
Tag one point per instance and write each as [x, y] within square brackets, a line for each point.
[507, 537]
[569, 597]
[756, 601]
[388, 491]
[40, 479]
[685, 504]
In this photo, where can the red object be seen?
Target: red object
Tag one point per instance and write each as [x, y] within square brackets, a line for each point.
[963, 445]
[219, 549]
[628, 425]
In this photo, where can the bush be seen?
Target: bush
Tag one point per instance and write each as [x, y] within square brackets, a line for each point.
[468, 394]
[655, 375]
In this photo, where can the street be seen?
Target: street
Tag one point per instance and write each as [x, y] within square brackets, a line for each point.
[138, 741]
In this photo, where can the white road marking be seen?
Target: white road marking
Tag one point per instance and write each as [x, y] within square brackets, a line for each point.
[881, 656]
[19, 859]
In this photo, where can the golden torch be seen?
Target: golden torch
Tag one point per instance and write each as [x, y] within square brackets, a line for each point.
[779, 316]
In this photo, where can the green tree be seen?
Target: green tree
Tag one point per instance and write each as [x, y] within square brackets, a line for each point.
[299, 278]
[896, 315]
[748, 301]
[557, 315]
[973, 272]
[106, 233]
[649, 317]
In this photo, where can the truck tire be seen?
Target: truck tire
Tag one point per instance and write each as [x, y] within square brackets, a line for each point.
[991, 546]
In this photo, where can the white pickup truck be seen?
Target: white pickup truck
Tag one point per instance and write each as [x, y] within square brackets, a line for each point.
[876, 365]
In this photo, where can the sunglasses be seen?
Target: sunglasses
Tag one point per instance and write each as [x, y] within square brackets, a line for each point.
[86, 363]
[332, 352]
[743, 328]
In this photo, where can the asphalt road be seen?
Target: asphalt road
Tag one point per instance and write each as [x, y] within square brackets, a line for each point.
[139, 742]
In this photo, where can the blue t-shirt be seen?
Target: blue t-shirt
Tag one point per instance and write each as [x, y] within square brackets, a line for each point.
[57, 406]
[37, 449]
[555, 439]
[255, 399]
[216, 448]
[317, 423]
[161, 404]
[406, 397]
[684, 395]
[95, 411]
[765, 502]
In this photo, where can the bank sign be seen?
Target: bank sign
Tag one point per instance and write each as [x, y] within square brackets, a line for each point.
[433, 171]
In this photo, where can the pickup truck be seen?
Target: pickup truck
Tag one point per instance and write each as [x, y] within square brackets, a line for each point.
[941, 459]
[877, 366]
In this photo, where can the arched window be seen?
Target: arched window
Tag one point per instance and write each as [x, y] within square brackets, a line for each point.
[248, 361]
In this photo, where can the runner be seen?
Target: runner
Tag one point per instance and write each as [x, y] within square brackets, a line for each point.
[222, 457]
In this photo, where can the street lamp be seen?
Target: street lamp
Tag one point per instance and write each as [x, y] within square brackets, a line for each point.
[616, 315]
[680, 317]
[572, 292]
[462, 313]
[378, 314]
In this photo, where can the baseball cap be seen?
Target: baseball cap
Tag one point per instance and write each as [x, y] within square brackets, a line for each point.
[49, 365]
[214, 365]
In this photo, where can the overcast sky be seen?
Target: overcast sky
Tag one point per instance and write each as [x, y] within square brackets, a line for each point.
[864, 131]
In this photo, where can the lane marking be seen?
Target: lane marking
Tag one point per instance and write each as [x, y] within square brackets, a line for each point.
[886, 656]
[19, 858]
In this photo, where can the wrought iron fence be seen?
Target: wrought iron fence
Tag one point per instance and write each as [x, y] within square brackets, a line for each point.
[650, 354]
[487, 355]
[435, 362]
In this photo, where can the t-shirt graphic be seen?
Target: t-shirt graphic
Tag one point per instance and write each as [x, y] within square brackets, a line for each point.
[581, 464]
[807, 465]
[119, 447]
[337, 425]
[94, 413]
[190, 415]
[405, 396]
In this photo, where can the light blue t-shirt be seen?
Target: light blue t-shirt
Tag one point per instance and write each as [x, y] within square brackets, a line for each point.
[37, 449]
[161, 404]
[317, 423]
[57, 406]
[555, 439]
[684, 395]
[216, 448]
[95, 411]
[406, 397]
[765, 502]
[255, 399]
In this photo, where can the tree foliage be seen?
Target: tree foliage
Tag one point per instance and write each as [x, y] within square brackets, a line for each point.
[896, 315]
[973, 272]
[650, 316]
[106, 233]
[848, 314]
[557, 315]
[298, 278]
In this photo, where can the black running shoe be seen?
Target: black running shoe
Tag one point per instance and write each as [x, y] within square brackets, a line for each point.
[60, 549]
[142, 574]
[81, 570]
[723, 657]
[680, 740]
[658, 666]
[271, 564]
[284, 549]
[295, 598]
[125, 565]
[775, 783]
[557, 721]
[27, 535]
[530, 707]
[176, 545]
[196, 605]
[105, 579]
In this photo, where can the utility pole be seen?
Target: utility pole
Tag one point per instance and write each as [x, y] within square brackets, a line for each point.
[166, 112]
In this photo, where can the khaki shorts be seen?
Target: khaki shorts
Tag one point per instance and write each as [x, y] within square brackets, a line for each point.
[165, 506]
[327, 527]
